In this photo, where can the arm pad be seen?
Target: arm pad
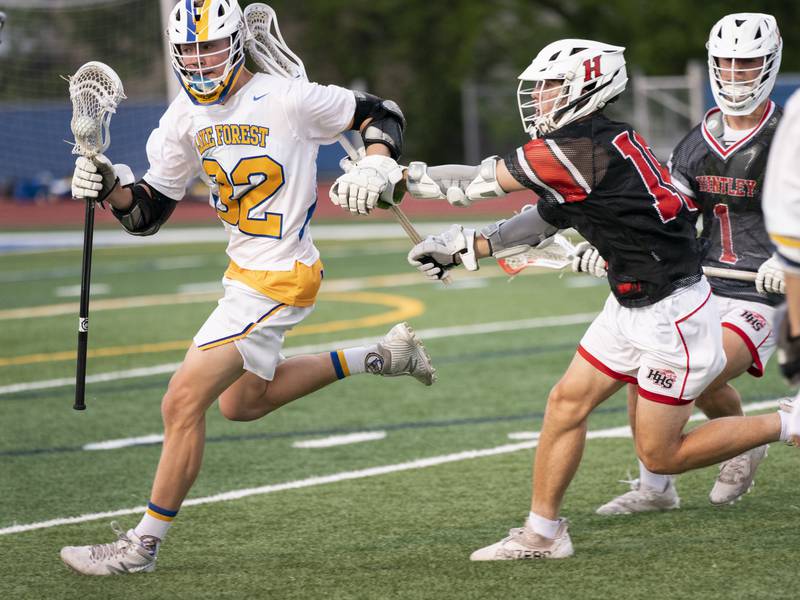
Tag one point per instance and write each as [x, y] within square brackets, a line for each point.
[386, 126]
[526, 229]
[147, 213]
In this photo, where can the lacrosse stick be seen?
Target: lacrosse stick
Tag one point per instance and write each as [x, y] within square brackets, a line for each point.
[95, 91]
[272, 54]
[560, 252]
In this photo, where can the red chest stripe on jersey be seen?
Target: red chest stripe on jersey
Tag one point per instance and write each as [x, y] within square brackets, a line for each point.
[721, 150]
[554, 171]
[667, 200]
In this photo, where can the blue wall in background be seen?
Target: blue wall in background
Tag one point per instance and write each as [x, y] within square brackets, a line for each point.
[32, 143]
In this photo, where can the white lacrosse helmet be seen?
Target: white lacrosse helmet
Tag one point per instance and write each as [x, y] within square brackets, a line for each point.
[197, 21]
[592, 74]
[741, 36]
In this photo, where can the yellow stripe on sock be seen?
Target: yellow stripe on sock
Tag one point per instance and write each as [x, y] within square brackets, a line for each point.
[159, 516]
[343, 361]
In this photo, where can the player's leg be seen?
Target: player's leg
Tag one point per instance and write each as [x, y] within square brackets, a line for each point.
[193, 388]
[267, 387]
[749, 341]
[657, 492]
[650, 491]
[558, 453]
[664, 448]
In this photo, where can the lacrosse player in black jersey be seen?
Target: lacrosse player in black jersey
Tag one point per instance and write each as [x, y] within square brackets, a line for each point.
[720, 167]
[659, 328]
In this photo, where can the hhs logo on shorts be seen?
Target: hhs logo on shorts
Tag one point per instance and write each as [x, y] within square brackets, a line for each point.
[663, 377]
[755, 320]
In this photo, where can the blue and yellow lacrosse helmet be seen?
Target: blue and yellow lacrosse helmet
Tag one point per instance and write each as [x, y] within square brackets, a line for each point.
[206, 67]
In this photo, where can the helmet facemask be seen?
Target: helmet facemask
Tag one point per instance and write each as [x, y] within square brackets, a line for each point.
[196, 64]
[541, 103]
[741, 84]
[207, 40]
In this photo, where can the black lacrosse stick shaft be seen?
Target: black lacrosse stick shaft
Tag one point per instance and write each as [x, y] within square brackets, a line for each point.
[83, 317]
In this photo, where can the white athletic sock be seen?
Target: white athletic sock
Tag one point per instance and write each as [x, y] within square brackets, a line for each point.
[653, 480]
[155, 522]
[785, 420]
[351, 361]
[544, 527]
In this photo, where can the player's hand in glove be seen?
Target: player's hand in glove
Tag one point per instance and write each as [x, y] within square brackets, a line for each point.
[437, 254]
[769, 279]
[366, 183]
[95, 178]
[588, 260]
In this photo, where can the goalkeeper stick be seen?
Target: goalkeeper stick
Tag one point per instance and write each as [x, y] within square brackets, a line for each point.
[559, 254]
[95, 91]
[272, 54]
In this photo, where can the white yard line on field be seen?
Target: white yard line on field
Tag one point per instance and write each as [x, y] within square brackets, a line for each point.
[341, 440]
[425, 334]
[413, 465]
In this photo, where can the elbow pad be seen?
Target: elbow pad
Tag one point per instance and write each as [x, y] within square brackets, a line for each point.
[147, 213]
[387, 124]
[519, 233]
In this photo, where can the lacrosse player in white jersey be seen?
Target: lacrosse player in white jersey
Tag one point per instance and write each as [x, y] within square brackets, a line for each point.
[782, 211]
[659, 327]
[253, 138]
[720, 166]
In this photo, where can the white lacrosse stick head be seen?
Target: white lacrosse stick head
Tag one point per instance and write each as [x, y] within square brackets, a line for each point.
[557, 254]
[95, 90]
[266, 46]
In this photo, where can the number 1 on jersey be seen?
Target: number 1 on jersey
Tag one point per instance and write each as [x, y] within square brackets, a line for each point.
[728, 255]
[245, 211]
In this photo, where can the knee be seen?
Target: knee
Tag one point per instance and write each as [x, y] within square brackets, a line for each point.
[181, 406]
[236, 411]
[657, 461]
[563, 403]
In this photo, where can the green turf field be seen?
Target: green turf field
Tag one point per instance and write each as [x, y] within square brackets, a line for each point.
[405, 531]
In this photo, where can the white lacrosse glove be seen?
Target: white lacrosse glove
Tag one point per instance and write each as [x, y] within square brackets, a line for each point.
[587, 259]
[769, 279]
[436, 254]
[365, 182]
[94, 178]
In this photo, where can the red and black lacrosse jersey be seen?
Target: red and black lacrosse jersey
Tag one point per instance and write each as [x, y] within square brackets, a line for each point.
[600, 177]
[724, 182]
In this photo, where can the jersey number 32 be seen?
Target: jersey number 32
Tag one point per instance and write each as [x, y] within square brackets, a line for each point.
[246, 208]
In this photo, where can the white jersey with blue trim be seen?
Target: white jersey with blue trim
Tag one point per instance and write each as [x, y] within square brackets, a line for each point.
[781, 197]
[257, 153]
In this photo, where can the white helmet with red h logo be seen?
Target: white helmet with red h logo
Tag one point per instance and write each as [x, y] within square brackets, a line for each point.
[195, 22]
[591, 74]
[739, 90]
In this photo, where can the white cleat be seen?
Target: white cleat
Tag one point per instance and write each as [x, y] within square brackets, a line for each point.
[736, 476]
[127, 555]
[642, 498]
[522, 543]
[400, 352]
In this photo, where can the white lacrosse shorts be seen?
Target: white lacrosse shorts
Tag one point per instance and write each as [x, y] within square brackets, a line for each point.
[754, 323]
[672, 349]
[254, 322]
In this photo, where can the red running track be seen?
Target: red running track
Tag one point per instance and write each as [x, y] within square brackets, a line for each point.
[69, 213]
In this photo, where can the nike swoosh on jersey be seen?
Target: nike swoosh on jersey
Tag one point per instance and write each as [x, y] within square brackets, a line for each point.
[257, 98]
